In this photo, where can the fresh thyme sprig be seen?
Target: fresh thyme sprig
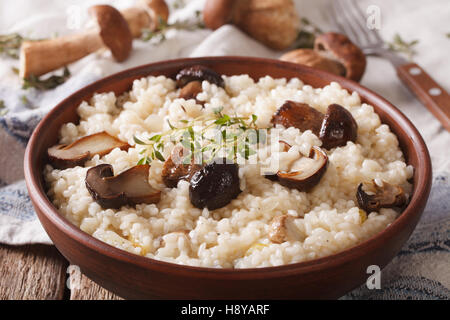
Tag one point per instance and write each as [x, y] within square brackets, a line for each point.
[159, 35]
[3, 109]
[402, 46]
[233, 136]
[307, 34]
[10, 44]
[45, 84]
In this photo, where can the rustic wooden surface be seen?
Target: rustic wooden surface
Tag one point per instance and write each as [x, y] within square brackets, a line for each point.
[40, 272]
[82, 288]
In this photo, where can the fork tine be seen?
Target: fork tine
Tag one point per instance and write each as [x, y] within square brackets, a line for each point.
[353, 30]
[343, 27]
[362, 23]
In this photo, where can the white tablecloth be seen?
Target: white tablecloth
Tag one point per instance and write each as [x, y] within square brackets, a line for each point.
[421, 268]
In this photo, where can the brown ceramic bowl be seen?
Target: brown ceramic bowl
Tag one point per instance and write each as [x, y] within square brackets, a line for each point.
[132, 276]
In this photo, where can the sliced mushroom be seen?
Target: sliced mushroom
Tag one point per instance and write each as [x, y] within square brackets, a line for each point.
[314, 59]
[298, 115]
[198, 73]
[175, 170]
[190, 90]
[305, 173]
[131, 187]
[338, 47]
[385, 196]
[283, 228]
[77, 153]
[273, 175]
[215, 185]
[338, 127]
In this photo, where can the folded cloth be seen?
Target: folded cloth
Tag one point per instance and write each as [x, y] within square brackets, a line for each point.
[419, 271]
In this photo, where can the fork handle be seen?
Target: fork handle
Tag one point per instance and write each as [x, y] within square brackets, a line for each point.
[432, 95]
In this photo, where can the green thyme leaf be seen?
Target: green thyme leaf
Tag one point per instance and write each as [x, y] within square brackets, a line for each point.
[159, 35]
[401, 46]
[45, 84]
[155, 138]
[307, 34]
[159, 156]
[3, 109]
[170, 125]
[10, 44]
[138, 141]
[222, 120]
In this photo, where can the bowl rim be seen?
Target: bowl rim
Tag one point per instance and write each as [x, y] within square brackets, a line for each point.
[420, 195]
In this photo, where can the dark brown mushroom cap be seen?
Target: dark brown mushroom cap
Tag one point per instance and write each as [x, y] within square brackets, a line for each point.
[64, 156]
[216, 13]
[385, 196]
[314, 59]
[306, 178]
[131, 187]
[198, 73]
[339, 47]
[338, 127]
[175, 170]
[298, 115]
[114, 30]
[215, 185]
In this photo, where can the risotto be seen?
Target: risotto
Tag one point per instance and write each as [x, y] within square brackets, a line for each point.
[265, 222]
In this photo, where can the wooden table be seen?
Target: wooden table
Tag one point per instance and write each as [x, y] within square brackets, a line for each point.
[41, 272]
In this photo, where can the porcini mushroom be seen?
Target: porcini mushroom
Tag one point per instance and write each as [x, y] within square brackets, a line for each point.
[298, 115]
[338, 127]
[112, 31]
[198, 73]
[214, 185]
[385, 196]
[63, 156]
[273, 22]
[190, 90]
[283, 228]
[338, 47]
[333, 52]
[286, 146]
[131, 187]
[175, 169]
[306, 172]
[314, 59]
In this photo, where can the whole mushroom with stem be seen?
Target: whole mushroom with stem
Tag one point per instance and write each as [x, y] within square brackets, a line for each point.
[113, 30]
[272, 22]
[333, 52]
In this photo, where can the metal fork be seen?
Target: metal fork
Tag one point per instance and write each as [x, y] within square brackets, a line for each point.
[350, 19]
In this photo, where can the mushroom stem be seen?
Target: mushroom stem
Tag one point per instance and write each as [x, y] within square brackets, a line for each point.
[138, 19]
[40, 57]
